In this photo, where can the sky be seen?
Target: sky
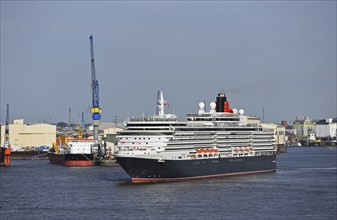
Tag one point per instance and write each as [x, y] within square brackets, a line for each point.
[274, 59]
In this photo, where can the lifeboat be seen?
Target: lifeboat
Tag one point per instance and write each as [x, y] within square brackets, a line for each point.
[200, 151]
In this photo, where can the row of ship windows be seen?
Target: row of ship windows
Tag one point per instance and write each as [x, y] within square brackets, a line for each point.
[137, 138]
[182, 130]
[223, 140]
[200, 137]
[233, 134]
[212, 119]
[144, 133]
[241, 129]
[186, 143]
[218, 137]
[194, 134]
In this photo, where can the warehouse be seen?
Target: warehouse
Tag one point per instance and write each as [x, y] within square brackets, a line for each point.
[29, 136]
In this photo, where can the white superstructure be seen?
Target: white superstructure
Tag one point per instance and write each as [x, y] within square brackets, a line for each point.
[80, 145]
[204, 135]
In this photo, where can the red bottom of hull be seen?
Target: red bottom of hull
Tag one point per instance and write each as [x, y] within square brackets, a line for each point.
[154, 180]
[79, 163]
[71, 160]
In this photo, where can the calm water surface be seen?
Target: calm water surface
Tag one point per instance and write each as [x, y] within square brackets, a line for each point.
[304, 187]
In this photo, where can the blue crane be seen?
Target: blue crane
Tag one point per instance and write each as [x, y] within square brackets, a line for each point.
[95, 110]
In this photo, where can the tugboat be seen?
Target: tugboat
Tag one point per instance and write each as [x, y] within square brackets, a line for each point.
[208, 144]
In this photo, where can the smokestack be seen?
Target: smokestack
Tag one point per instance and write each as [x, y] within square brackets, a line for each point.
[220, 102]
[222, 105]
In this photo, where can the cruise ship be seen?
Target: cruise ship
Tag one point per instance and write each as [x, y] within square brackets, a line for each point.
[207, 144]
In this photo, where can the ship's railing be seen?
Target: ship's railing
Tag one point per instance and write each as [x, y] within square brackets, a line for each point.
[212, 115]
[150, 119]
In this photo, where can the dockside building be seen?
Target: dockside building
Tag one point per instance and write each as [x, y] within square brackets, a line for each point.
[29, 136]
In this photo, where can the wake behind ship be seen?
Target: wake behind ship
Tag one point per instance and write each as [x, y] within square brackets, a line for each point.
[209, 144]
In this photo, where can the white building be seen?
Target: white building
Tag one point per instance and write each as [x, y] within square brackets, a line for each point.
[326, 129]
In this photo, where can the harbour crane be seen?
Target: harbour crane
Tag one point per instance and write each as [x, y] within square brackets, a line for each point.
[84, 117]
[95, 109]
[6, 143]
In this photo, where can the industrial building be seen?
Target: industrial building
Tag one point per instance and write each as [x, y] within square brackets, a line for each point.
[303, 126]
[29, 136]
[326, 129]
[307, 132]
[110, 136]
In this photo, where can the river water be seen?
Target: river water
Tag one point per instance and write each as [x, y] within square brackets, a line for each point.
[303, 187]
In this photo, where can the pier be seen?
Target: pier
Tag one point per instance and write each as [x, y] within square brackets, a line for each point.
[329, 143]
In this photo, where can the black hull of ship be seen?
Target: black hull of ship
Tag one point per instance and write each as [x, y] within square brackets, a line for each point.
[28, 155]
[76, 160]
[151, 170]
